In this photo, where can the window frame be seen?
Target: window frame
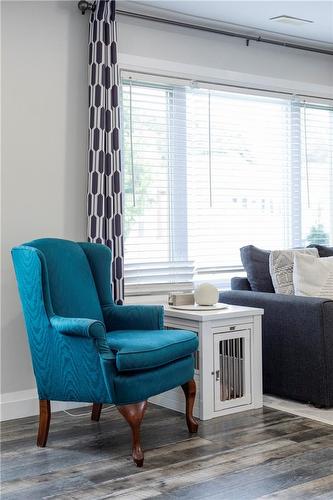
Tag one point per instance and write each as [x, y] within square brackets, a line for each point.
[179, 245]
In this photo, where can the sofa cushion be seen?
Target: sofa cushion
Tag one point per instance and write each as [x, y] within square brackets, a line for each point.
[323, 250]
[144, 349]
[313, 277]
[281, 266]
[256, 265]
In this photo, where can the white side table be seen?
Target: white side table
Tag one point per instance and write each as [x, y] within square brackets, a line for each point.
[228, 364]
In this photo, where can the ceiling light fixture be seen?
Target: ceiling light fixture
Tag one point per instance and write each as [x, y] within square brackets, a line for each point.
[290, 20]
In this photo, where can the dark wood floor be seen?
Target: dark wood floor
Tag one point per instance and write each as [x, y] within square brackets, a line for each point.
[256, 454]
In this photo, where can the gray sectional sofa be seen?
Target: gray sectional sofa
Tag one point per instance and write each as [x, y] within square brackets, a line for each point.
[297, 335]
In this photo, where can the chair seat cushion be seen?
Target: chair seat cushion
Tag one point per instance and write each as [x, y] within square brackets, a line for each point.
[145, 349]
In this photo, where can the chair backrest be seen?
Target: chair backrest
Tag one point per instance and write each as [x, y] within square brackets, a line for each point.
[69, 279]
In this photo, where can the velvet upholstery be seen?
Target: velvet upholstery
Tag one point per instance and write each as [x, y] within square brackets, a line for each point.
[70, 318]
[118, 317]
[144, 349]
[140, 385]
[70, 281]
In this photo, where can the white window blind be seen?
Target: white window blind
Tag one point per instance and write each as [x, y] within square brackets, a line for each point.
[208, 171]
[316, 196]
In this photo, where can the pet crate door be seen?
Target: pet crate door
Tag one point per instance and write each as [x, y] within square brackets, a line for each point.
[232, 369]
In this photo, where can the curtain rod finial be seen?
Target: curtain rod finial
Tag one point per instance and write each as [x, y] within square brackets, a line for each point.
[84, 5]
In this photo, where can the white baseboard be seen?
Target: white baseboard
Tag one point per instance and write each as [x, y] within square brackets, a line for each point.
[175, 400]
[25, 404]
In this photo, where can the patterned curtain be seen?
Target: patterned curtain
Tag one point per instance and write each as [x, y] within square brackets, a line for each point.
[105, 205]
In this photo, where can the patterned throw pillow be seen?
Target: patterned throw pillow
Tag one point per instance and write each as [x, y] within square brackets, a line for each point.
[281, 266]
[313, 277]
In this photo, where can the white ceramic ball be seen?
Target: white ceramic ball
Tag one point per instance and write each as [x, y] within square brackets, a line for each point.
[206, 294]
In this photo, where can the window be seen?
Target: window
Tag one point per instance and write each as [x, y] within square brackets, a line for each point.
[316, 198]
[207, 171]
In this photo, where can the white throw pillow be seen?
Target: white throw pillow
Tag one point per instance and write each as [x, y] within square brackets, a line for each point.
[281, 265]
[313, 277]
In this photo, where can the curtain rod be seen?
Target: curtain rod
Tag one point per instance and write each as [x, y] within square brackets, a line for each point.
[217, 31]
[85, 5]
[231, 85]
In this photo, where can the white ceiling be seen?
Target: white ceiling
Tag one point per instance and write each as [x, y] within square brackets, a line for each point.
[247, 16]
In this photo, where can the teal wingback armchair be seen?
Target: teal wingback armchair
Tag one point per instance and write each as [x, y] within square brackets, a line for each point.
[86, 348]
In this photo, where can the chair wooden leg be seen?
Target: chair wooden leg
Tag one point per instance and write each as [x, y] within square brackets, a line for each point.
[190, 390]
[133, 414]
[44, 422]
[96, 411]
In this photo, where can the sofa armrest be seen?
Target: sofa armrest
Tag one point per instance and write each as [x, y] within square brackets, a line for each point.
[259, 299]
[133, 317]
[297, 343]
[238, 283]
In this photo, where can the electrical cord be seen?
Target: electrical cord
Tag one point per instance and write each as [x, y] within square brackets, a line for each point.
[110, 407]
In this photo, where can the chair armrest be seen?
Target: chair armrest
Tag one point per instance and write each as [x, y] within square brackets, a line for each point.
[133, 317]
[84, 327]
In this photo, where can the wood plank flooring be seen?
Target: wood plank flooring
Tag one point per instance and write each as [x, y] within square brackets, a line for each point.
[256, 454]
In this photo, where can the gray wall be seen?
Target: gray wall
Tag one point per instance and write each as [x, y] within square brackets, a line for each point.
[197, 48]
[44, 116]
